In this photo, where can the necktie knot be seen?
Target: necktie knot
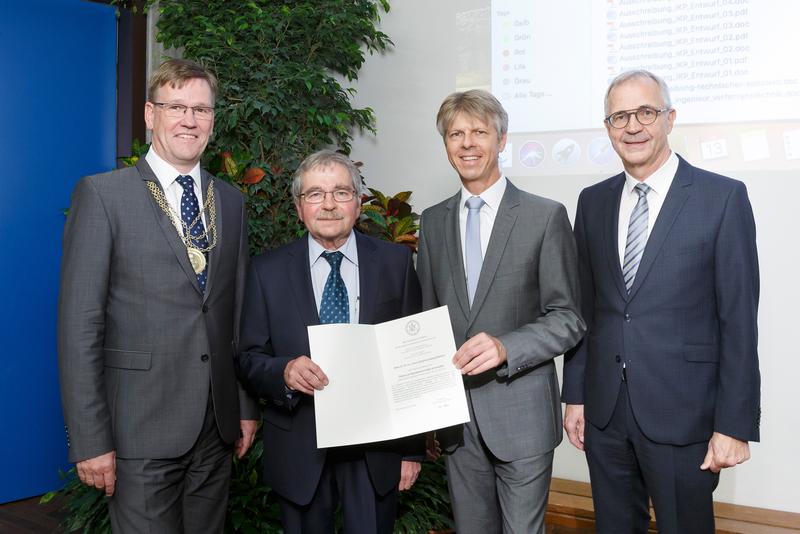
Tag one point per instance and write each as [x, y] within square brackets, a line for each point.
[475, 203]
[187, 182]
[642, 190]
[334, 259]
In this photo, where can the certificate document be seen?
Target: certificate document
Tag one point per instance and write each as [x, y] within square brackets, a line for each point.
[386, 381]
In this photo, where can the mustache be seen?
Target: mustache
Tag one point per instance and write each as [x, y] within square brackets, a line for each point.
[330, 216]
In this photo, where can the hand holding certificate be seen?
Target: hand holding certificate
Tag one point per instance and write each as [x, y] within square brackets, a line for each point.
[387, 381]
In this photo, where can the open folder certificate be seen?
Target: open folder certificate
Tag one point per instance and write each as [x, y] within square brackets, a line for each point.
[386, 381]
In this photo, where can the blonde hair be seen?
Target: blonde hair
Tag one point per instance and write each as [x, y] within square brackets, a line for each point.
[175, 73]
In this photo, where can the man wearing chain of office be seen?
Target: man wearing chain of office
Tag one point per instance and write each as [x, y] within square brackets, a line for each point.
[152, 281]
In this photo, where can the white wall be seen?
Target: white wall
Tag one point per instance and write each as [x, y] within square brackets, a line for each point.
[405, 88]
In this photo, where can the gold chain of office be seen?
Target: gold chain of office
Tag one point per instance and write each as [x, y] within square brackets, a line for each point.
[196, 254]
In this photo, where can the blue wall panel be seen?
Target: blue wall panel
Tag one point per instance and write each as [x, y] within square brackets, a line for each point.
[57, 123]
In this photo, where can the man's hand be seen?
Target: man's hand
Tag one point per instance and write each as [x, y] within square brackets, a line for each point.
[574, 424]
[100, 472]
[725, 451]
[409, 471]
[432, 449]
[247, 429]
[303, 375]
[479, 353]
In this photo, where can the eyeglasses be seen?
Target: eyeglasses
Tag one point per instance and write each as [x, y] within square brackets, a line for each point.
[317, 196]
[644, 114]
[177, 111]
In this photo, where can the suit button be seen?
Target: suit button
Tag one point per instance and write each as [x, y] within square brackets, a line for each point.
[205, 308]
[627, 318]
[204, 357]
[617, 358]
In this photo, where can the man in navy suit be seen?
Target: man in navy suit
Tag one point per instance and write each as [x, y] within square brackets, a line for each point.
[664, 390]
[298, 285]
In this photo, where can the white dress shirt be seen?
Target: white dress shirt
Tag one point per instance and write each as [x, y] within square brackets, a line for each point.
[320, 269]
[488, 213]
[659, 183]
[167, 175]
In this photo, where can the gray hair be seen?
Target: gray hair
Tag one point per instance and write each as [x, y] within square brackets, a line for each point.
[476, 103]
[638, 74]
[323, 159]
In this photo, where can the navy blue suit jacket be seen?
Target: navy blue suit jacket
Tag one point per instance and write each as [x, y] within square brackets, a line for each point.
[278, 307]
[687, 331]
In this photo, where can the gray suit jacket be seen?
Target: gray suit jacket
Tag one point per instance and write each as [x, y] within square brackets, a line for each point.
[140, 346]
[527, 296]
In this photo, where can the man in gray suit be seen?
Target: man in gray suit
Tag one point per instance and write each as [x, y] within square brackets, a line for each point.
[504, 263]
[152, 279]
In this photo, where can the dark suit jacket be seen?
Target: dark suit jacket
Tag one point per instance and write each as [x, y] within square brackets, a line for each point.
[139, 345]
[527, 296]
[279, 306]
[687, 331]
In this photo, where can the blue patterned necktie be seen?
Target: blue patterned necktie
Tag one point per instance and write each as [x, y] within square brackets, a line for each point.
[190, 209]
[334, 307]
[637, 236]
[472, 245]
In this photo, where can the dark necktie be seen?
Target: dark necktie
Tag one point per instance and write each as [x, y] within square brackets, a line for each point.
[334, 306]
[190, 211]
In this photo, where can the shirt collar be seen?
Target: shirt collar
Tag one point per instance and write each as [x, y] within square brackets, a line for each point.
[658, 181]
[492, 196]
[166, 173]
[349, 249]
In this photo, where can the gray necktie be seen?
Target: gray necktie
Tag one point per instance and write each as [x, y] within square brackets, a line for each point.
[472, 245]
[637, 236]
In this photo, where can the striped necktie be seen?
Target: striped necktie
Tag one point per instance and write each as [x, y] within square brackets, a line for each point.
[637, 236]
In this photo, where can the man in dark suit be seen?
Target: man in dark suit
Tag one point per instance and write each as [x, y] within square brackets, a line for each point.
[333, 275]
[151, 289]
[664, 390]
[504, 263]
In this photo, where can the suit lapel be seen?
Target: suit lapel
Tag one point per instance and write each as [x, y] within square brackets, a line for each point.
[673, 203]
[611, 233]
[501, 231]
[299, 273]
[167, 227]
[452, 244]
[214, 253]
[367, 279]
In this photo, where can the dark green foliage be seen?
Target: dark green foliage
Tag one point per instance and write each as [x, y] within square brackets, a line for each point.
[86, 507]
[280, 66]
[427, 504]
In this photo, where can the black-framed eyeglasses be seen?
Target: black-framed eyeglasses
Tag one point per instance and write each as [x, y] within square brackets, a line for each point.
[317, 196]
[177, 111]
[644, 115]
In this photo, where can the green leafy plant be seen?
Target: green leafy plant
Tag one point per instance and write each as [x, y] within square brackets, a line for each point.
[390, 218]
[281, 66]
[426, 506]
[86, 507]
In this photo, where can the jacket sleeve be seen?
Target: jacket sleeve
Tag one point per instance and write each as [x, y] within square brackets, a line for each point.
[85, 267]
[575, 358]
[737, 408]
[560, 325]
[260, 370]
